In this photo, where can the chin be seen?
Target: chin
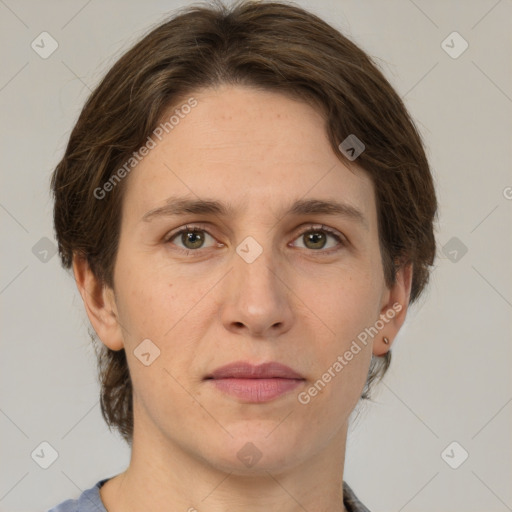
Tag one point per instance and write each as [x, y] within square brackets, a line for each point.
[253, 452]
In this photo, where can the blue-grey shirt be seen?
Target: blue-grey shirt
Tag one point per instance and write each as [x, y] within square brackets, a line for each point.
[90, 501]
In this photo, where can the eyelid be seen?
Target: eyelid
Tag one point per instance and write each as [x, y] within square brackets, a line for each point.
[186, 228]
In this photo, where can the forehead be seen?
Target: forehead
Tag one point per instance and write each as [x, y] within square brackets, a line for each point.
[251, 149]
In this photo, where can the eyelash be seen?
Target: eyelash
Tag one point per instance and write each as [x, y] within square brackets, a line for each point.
[310, 229]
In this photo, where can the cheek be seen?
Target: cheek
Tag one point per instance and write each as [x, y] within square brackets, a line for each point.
[166, 309]
[347, 305]
[149, 299]
[346, 308]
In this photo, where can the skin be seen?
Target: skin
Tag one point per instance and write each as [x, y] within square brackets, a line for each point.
[259, 151]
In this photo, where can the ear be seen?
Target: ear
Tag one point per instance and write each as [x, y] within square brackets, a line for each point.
[393, 311]
[100, 305]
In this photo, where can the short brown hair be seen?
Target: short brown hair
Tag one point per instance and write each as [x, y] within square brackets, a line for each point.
[275, 46]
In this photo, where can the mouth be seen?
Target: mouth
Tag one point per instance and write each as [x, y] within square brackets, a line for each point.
[244, 370]
[255, 383]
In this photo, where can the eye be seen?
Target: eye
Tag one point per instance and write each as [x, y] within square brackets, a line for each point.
[192, 238]
[316, 237]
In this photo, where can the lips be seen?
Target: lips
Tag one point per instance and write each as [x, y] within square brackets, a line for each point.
[243, 370]
[255, 384]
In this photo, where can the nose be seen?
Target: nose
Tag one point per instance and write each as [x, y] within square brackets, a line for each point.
[257, 300]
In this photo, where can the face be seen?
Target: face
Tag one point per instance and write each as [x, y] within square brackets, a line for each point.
[261, 282]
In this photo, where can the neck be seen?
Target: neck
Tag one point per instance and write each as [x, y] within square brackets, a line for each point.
[163, 476]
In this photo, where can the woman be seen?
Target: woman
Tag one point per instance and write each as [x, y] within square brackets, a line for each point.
[248, 212]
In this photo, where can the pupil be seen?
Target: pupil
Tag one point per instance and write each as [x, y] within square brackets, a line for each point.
[314, 237]
[193, 237]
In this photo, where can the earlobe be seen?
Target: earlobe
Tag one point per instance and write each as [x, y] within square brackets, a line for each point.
[394, 310]
[99, 304]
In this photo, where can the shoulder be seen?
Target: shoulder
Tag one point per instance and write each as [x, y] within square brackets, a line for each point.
[88, 501]
[351, 501]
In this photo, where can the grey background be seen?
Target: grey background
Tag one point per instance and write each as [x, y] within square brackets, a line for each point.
[450, 378]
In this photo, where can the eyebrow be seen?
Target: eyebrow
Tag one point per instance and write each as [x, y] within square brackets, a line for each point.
[176, 206]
